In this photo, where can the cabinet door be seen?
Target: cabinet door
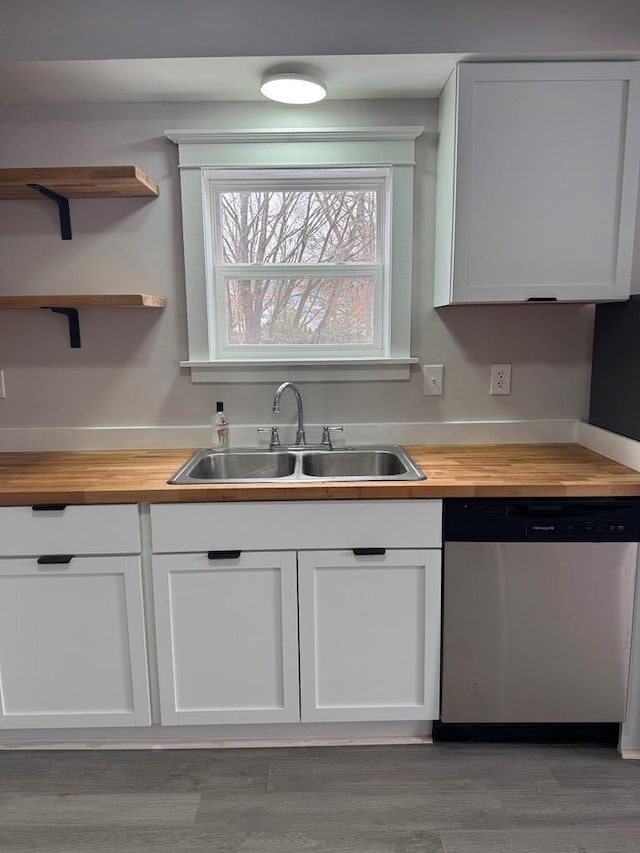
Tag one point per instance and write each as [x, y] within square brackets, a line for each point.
[369, 635]
[545, 179]
[72, 644]
[227, 632]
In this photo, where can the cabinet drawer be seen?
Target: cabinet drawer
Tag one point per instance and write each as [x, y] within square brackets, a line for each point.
[273, 525]
[42, 529]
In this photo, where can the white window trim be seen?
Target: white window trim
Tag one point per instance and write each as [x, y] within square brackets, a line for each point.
[328, 147]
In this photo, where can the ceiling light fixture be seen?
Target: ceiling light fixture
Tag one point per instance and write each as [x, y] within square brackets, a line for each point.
[293, 88]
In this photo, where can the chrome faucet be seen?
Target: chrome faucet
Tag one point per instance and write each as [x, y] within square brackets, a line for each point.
[300, 436]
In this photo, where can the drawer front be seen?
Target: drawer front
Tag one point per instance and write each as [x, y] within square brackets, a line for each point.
[273, 525]
[43, 529]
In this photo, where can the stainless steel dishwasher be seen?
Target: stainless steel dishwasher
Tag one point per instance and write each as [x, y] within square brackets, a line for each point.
[537, 609]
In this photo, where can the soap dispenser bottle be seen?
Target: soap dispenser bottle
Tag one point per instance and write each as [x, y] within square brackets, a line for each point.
[220, 430]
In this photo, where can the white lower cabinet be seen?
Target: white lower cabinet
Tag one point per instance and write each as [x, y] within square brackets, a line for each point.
[369, 635]
[312, 629]
[227, 637]
[72, 644]
[231, 625]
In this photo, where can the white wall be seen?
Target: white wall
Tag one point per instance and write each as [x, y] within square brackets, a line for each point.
[127, 371]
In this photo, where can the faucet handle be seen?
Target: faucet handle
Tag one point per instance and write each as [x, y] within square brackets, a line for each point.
[326, 435]
[275, 438]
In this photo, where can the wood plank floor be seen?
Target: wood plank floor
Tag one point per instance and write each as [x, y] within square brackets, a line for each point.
[447, 798]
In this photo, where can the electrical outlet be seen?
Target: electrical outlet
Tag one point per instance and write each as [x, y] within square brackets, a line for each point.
[433, 380]
[2, 388]
[500, 379]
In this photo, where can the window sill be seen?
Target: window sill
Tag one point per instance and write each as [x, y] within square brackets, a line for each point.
[322, 370]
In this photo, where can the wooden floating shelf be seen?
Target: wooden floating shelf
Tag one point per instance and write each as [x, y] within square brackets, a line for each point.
[111, 300]
[78, 182]
[60, 183]
[69, 304]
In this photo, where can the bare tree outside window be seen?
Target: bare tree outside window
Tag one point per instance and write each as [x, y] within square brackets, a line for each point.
[300, 310]
[298, 228]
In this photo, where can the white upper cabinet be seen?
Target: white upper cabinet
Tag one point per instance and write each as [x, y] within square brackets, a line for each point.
[537, 182]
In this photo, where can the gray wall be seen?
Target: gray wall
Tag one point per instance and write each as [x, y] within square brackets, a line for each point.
[127, 372]
[107, 29]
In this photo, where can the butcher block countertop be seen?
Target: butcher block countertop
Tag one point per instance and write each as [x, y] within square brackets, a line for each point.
[498, 470]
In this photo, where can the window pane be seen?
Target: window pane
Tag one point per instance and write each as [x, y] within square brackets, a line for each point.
[298, 226]
[298, 311]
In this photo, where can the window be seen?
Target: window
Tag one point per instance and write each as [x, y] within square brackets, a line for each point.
[297, 261]
[297, 253]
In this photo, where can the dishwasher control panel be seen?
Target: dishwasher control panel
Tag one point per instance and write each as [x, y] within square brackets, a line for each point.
[542, 520]
[579, 528]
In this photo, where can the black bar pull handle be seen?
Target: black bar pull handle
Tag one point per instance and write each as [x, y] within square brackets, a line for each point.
[48, 507]
[223, 555]
[55, 559]
[369, 552]
[542, 299]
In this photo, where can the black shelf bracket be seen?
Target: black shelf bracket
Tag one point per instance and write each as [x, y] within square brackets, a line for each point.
[74, 324]
[63, 209]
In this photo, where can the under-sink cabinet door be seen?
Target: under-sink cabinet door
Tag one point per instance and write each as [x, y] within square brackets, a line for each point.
[369, 635]
[72, 643]
[227, 637]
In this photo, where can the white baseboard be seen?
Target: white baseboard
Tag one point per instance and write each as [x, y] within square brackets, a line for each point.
[243, 435]
[616, 447]
[632, 754]
[214, 744]
[222, 736]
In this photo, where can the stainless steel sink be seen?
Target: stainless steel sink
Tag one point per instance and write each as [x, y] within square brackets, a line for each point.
[232, 466]
[349, 464]
[245, 465]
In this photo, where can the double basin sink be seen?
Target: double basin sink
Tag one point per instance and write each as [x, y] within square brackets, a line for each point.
[250, 465]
